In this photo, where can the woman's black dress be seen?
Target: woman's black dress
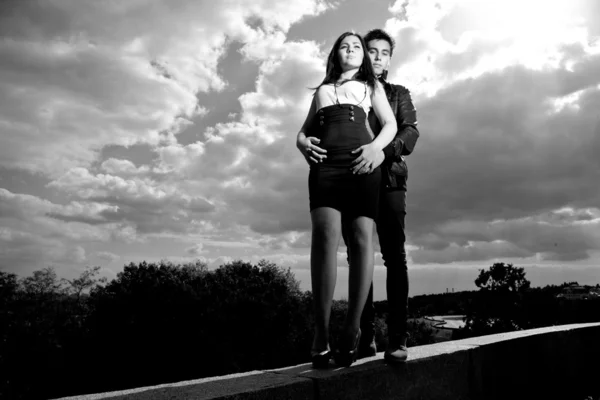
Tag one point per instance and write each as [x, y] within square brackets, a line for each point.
[342, 128]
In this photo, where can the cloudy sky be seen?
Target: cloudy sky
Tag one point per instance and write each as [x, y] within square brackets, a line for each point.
[147, 130]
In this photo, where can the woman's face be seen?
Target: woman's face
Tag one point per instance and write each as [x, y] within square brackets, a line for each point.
[350, 53]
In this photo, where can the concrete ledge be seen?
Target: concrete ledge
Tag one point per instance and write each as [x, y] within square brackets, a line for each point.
[255, 385]
[560, 362]
[438, 371]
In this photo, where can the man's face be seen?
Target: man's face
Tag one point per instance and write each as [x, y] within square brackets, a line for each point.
[380, 54]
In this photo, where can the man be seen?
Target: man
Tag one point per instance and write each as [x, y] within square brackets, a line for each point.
[392, 208]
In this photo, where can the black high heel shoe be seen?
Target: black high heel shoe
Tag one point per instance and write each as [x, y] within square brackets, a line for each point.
[320, 360]
[345, 357]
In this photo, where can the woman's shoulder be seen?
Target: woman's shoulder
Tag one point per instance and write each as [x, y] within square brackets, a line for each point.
[356, 82]
[350, 84]
[344, 83]
[325, 87]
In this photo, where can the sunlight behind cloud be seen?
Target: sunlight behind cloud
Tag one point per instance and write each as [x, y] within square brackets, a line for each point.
[529, 19]
[464, 39]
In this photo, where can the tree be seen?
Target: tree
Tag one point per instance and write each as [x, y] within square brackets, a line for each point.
[498, 304]
[260, 304]
[195, 269]
[239, 317]
[9, 285]
[87, 280]
[150, 315]
[43, 284]
[502, 278]
[34, 332]
[420, 333]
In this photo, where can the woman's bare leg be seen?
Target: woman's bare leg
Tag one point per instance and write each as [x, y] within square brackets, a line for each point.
[361, 272]
[326, 231]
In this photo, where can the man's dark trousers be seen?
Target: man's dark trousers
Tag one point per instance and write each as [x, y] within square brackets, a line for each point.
[391, 232]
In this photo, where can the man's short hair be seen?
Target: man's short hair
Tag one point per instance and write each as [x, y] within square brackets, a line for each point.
[379, 34]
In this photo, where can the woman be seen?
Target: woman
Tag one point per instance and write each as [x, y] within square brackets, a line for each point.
[338, 119]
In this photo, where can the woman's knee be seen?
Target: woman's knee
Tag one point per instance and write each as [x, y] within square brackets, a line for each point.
[360, 242]
[326, 230]
[361, 235]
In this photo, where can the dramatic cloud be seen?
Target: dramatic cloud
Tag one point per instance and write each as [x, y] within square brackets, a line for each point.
[155, 129]
[87, 75]
[509, 131]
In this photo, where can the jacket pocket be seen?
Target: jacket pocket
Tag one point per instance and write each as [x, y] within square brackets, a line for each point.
[399, 168]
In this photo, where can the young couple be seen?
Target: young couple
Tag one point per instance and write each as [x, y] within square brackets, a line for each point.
[358, 177]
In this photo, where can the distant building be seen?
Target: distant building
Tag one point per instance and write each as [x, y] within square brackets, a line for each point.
[577, 292]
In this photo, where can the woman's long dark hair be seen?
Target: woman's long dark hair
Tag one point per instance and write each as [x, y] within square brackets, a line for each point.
[334, 69]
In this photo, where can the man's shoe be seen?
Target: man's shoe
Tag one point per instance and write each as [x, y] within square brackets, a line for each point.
[396, 351]
[368, 349]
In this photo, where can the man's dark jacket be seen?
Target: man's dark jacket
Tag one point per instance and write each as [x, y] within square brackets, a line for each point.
[394, 169]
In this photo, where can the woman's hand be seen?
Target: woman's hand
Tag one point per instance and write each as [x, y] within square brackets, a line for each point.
[370, 157]
[309, 149]
[312, 153]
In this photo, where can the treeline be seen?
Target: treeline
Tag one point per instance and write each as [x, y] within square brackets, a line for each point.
[504, 302]
[155, 323]
[160, 322]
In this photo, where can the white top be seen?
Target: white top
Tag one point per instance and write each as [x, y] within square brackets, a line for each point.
[350, 92]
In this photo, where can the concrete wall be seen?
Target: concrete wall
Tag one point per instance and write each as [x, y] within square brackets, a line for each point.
[561, 362]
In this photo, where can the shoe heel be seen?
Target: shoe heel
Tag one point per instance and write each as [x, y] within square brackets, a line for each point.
[346, 358]
[320, 360]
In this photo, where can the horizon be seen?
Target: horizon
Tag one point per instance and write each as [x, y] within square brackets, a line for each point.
[158, 130]
[541, 278]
